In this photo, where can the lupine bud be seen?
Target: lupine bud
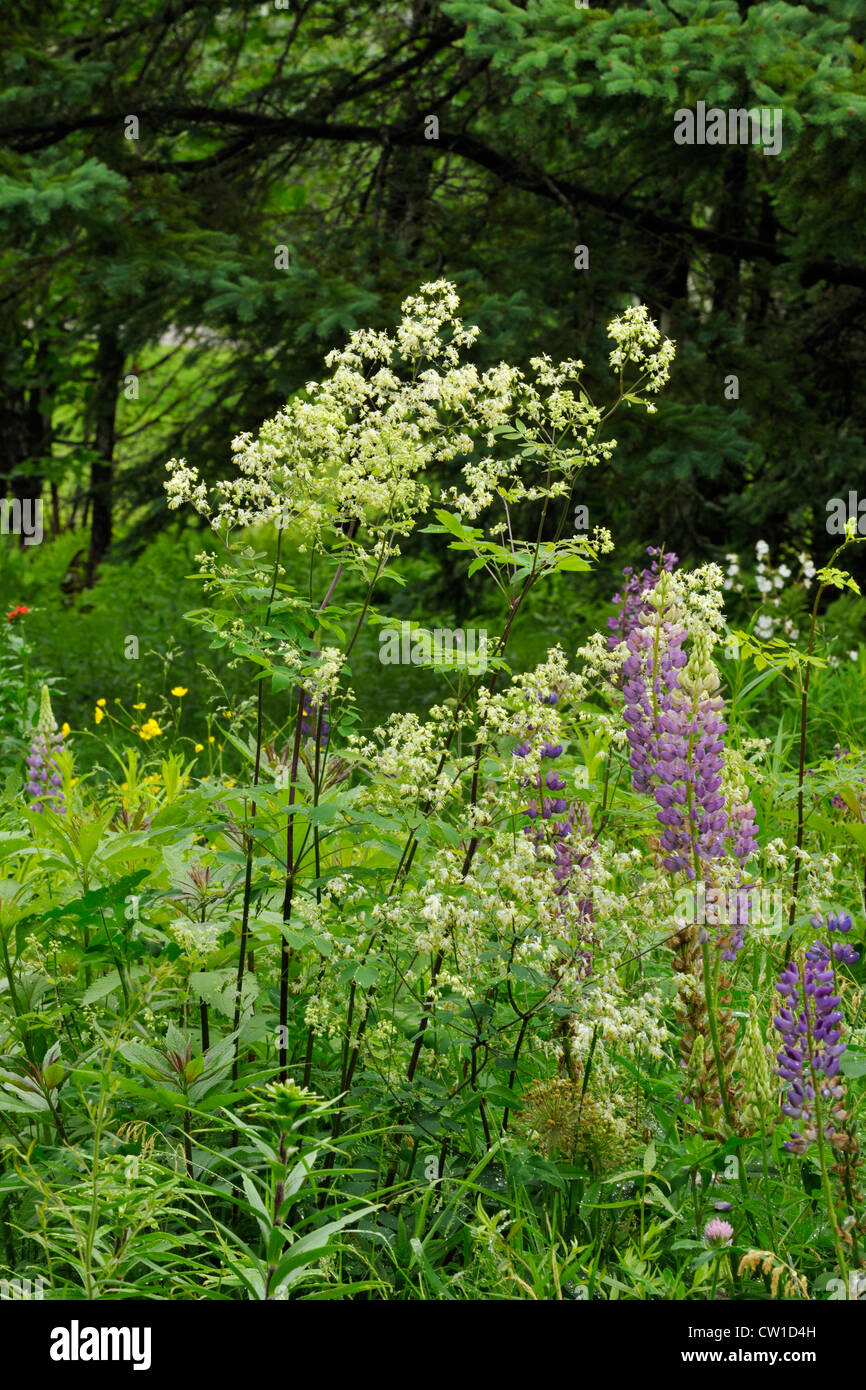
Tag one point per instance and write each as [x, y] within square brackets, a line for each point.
[758, 1090]
[46, 783]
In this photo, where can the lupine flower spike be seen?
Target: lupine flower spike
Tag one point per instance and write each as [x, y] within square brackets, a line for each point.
[45, 784]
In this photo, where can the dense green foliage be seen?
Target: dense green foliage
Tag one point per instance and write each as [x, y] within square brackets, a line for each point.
[338, 960]
[294, 1011]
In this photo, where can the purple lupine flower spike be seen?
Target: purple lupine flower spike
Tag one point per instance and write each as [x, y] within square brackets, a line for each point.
[810, 1056]
[676, 734]
[544, 829]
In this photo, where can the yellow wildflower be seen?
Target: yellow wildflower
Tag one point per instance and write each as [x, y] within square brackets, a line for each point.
[99, 714]
[139, 707]
[199, 748]
[149, 730]
[101, 703]
[65, 730]
[179, 691]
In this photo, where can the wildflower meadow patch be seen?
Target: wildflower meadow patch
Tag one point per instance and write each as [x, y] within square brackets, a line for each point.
[551, 990]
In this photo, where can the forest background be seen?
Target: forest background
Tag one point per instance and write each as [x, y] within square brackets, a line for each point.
[198, 200]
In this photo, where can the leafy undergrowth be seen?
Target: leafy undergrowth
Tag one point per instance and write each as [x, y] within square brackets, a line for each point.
[553, 994]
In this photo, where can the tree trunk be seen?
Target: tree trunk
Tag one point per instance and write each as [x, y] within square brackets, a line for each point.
[24, 441]
[103, 416]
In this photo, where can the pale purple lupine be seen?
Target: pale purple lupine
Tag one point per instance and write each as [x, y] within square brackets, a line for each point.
[688, 773]
[650, 678]
[676, 734]
[46, 783]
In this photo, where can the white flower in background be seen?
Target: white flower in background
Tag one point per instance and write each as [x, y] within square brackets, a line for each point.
[635, 335]
[778, 582]
[784, 572]
[790, 630]
[761, 549]
[350, 454]
[764, 585]
[854, 656]
[764, 626]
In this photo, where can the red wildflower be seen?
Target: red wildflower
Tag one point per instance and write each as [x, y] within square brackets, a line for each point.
[17, 612]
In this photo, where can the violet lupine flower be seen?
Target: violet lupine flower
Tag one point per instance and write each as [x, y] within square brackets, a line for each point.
[843, 952]
[718, 1232]
[808, 1022]
[544, 828]
[742, 830]
[735, 936]
[839, 921]
[45, 784]
[632, 601]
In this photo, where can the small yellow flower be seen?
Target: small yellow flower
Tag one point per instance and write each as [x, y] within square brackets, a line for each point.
[139, 707]
[211, 739]
[179, 691]
[65, 730]
[98, 714]
[199, 748]
[101, 703]
[149, 730]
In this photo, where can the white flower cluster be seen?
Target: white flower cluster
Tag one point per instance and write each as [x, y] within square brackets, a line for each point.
[197, 940]
[354, 448]
[700, 601]
[322, 680]
[637, 339]
[404, 758]
[350, 454]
